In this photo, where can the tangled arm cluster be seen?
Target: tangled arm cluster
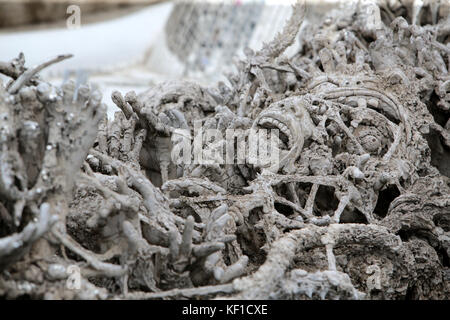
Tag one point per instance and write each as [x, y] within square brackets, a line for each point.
[358, 208]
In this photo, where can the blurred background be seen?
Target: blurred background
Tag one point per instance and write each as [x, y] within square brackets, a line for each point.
[133, 44]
